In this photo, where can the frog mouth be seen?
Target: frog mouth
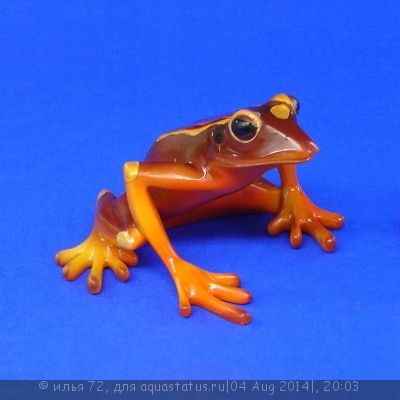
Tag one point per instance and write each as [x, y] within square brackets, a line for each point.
[308, 150]
[276, 152]
[290, 156]
[270, 161]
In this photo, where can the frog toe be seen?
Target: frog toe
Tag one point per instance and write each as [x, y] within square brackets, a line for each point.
[76, 267]
[228, 279]
[331, 220]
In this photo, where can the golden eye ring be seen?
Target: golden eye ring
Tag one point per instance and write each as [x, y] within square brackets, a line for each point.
[244, 126]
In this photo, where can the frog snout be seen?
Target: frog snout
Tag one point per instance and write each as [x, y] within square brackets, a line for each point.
[312, 148]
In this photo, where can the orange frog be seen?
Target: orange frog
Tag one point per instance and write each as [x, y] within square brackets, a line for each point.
[207, 170]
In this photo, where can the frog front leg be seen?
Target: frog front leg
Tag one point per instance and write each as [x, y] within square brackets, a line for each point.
[195, 286]
[293, 210]
[298, 214]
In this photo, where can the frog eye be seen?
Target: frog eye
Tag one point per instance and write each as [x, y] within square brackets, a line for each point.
[296, 106]
[244, 127]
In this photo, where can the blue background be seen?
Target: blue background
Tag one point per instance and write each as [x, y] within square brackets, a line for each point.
[86, 86]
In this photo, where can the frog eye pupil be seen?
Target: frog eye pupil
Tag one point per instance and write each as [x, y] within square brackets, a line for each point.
[243, 130]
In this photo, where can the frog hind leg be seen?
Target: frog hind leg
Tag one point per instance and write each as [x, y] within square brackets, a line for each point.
[109, 245]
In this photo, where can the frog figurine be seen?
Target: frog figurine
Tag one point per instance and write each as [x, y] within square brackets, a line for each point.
[210, 169]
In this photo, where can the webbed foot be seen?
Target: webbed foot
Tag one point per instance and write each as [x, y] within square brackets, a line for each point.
[298, 214]
[212, 291]
[95, 253]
